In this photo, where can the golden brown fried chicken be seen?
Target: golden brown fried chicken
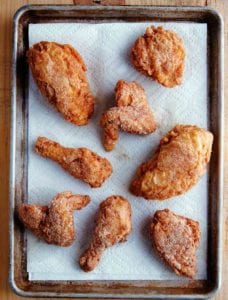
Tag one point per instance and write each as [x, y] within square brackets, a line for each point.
[177, 165]
[60, 74]
[132, 113]
[176, 240]
[81, 163]
[113, 225]
[54, 224]
[160, 54]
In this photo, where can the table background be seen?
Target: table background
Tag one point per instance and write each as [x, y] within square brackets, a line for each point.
[7, 10]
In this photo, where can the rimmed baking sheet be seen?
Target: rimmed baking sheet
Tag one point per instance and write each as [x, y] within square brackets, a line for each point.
[20, 141]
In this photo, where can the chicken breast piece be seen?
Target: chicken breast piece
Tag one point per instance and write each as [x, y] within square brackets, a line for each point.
[132, 113]
[60, 74]
[177, 165]
[160, 54]
[176, 240]
[54, 224]
[81, 163]
[113, 225]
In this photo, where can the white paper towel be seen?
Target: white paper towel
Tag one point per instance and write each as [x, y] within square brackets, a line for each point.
[105, 49]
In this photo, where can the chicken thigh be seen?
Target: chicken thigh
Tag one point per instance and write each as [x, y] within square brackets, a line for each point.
[160, 54]
[176, 239]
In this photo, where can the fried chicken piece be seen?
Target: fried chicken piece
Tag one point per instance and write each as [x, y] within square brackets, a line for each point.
[177, 165]
[176, 240]
[54, 224]
[81, 163]
[60, 74]
[132, 113]
[160, 54]
[113, 225]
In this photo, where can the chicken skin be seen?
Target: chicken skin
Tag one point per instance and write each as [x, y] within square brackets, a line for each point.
[113, 225]
[132, 113]
[176, 240]
[54, 224]
[177, 165]
[81, 163]
[160, 54]
[60, 74]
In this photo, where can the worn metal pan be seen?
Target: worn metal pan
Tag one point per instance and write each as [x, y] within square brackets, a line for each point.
[192, 289]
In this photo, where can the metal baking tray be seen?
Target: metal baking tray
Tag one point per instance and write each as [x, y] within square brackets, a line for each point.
[175, 289]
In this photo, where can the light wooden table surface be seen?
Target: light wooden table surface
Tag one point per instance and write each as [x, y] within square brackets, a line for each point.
[7, 10]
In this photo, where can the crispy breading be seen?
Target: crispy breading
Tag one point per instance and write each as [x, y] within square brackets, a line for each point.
[81, 163]
[132, 114]
[60, 74]
[113, 225]
[160, 54]
[177, 165]
[54, 224]
[176, 239]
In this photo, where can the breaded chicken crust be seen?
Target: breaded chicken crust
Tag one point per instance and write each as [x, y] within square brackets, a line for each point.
[176, 239]
[177, 165]
[54, 224]
[160, 54]
[81, 163]
[60, 74]
[132, 114]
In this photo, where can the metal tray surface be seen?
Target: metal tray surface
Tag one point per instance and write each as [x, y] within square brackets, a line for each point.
[174, 289]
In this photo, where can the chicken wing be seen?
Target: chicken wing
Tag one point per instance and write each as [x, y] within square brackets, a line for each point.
[81, 163]
[59, 72]
[177, 165]
[176, 240]
[113, 225]
[132, 113]
[54, 224]
[160, 54]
